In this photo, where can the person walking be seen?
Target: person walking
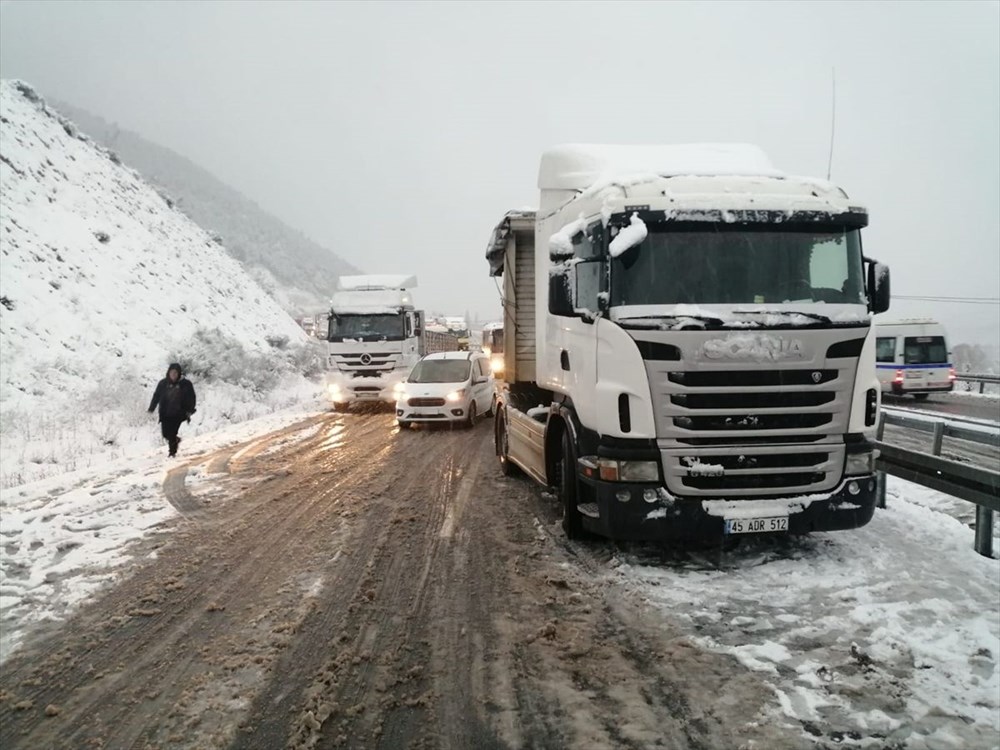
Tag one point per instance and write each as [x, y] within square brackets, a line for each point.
[176, 399]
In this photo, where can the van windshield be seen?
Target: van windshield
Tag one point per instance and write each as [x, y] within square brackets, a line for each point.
[440, 371]
[924, 350]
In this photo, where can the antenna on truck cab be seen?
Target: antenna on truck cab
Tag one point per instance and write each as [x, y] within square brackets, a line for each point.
[833, 121]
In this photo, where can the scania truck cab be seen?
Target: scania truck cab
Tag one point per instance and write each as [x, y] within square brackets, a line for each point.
[374, 338]
[688, 351]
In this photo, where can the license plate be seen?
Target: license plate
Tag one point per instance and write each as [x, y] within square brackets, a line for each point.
[914, 374]
[756, 525]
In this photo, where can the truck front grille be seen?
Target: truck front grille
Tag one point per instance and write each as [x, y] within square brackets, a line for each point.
[753, 422]
[751, 378]
[751, 414]
[758, 482]
[735, 433]
[751, 471]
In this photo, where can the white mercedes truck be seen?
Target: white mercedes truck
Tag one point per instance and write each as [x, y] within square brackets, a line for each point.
[375, 336]
[688, 345]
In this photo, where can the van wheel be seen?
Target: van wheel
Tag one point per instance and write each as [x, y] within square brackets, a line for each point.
[572, 520]
[920, 396]
[470, 422]
[506, 467]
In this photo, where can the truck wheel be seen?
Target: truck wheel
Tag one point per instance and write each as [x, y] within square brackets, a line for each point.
[572, 520]
[470, 421]
[506, 467]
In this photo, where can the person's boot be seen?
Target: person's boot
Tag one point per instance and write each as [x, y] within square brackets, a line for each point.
[173, 447]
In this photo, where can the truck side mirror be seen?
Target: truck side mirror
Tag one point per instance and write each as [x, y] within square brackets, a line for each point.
[878, 287]
[560, 299]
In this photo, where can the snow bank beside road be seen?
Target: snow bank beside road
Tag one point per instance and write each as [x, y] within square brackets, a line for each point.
[66, 537]
[910, 608]
[102, 284]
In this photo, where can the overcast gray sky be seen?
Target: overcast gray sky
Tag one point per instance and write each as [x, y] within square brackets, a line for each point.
[398, 133]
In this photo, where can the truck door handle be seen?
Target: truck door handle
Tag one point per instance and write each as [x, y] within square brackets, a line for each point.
[564, 359]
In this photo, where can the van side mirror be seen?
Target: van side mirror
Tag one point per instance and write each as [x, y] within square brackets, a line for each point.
[878, 287]
[560, 299]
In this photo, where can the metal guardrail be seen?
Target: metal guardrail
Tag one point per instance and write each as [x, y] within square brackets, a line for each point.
[981, 379]
[972, 483]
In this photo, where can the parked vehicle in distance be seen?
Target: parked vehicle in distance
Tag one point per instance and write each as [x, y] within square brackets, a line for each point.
[493, 346]
[446, 387]
[912, 357]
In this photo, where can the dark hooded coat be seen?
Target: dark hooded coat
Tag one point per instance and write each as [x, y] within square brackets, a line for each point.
[176, 400]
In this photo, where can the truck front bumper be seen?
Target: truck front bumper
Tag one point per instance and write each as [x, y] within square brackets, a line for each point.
[667, 518]
[362, 390]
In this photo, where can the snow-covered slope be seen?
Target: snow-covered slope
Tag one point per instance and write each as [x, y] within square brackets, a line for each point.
[300, 273]
[102, 283]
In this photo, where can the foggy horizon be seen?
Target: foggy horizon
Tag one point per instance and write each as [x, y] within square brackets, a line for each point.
[397, 135]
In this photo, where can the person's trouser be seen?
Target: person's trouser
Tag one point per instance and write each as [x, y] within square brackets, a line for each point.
[169, 428]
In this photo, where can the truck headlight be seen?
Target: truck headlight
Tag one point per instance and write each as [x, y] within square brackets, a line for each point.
[455, 395]
[611, 470]
[859, 463]
[335, 391]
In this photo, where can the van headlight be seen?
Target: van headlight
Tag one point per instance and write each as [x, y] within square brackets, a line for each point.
[859, 463]
[455, 395]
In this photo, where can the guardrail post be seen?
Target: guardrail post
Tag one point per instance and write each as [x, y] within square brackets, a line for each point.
[982, 385]
[881, 426]
[879, 489]
[984, 531]
[938, 437]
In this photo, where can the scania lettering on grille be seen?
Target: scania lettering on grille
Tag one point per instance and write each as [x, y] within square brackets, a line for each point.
[754, 346]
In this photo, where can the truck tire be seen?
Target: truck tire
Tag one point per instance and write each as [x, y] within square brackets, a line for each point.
[470, 421]
[572, 520]
[506, 467]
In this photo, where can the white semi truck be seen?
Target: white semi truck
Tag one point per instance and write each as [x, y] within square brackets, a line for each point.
[688, 349]
[375, 336]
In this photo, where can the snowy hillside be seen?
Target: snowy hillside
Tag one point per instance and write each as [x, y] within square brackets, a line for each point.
[299, 273]
[101, 285]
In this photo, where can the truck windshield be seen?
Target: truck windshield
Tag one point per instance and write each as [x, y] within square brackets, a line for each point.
[740, 265]
[440, 371]
[366, 327]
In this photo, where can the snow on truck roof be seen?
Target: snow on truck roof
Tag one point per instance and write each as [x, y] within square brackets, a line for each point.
[377, 281]
[579, 166]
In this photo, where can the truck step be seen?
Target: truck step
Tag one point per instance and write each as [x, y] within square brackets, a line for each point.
[589, 509]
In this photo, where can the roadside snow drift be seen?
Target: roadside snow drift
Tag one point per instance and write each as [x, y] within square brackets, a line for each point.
[102, 283]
